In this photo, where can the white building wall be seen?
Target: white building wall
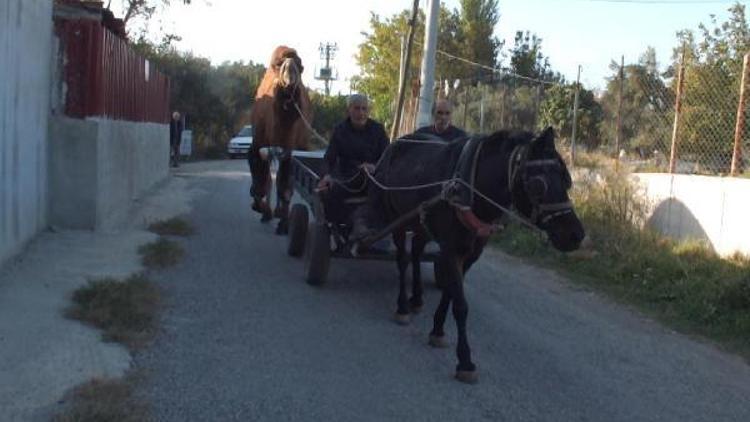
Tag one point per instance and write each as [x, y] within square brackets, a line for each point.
[713, 209]
[25, 54]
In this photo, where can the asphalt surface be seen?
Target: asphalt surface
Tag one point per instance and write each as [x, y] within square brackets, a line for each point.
[244, 338]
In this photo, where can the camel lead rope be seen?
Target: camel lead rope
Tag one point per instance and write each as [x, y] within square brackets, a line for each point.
[309, 126]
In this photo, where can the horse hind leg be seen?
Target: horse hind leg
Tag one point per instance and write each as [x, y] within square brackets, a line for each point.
[402, 316]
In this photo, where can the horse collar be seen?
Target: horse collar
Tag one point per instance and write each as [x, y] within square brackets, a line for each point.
[466, 170]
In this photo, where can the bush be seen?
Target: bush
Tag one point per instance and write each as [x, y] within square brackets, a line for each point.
[685, 283]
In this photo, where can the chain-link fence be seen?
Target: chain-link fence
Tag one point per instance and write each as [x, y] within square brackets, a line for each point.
[483, 107]
[631, 120]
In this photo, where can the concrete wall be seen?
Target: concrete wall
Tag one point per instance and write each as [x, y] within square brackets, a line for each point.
[25, 43]
[98, 167]
[713, 209]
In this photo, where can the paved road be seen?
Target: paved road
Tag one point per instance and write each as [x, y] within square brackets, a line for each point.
[244, 338]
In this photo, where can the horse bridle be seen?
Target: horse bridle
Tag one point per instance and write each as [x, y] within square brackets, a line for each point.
[518, 165]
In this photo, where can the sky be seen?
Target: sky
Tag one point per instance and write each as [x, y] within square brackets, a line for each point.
[589, 33]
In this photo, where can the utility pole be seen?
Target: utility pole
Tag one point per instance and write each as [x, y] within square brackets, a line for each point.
[405, 68]
[428, 64]
[575, 120]
[327, 53]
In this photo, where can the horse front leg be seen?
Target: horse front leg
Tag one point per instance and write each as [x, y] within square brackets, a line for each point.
[452, 267]
[466, 371]
[402, 311]
[418, 243]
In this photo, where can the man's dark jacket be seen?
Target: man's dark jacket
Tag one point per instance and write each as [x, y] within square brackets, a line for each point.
[448, 134]
[350, 147]
[175, 132]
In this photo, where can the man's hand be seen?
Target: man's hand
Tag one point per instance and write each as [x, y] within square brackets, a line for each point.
[325, 183]
[368, 167]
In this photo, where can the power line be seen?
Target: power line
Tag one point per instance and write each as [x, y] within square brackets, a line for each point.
[495, 69]
[664, 1]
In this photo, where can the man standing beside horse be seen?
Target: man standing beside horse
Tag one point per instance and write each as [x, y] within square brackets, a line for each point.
[441, 126]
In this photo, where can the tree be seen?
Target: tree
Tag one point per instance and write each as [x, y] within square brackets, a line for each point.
[526, 58]
[477, 42]
[328, 111]
[466, 34]
[646, 112]
[557, 111]
[140, 8]
[713, 69]
[216, 100]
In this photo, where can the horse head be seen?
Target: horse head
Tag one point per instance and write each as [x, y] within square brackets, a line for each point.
[533, 178]
[540, 185]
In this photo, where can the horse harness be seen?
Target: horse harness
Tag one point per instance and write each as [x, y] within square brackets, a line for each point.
[462, 190]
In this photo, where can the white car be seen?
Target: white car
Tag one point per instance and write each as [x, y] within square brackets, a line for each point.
[240, 144]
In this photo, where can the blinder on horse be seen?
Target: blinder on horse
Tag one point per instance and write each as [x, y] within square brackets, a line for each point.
[534, 175]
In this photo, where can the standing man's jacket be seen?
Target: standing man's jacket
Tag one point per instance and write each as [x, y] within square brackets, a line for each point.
[447, 135]
[175, 131]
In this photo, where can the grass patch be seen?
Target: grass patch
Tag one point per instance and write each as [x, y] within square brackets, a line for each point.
[125, 310]
[175, 226]
[161, 253]
[684, 284]
[98, 400]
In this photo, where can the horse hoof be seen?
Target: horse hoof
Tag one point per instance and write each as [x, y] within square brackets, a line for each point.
[467, 377]
[266, 217]
[437, 342]
[415, 309]
[402, 319]
[282, 229]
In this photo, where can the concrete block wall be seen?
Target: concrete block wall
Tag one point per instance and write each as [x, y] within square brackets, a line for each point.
[711, 209]
[25, 45]
[98, 167]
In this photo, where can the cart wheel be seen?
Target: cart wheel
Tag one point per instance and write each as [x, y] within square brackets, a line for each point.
[298, 220]
[318, 254]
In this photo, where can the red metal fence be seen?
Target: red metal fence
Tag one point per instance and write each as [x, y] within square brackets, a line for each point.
[104, 77]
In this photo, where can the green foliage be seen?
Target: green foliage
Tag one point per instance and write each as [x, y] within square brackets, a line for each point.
[527, 59]
[557, 111]
[475, 38]
[215, 100]
[685, 283]
[329, 111]
[713, 63]
[141, 8]
[646, 112]
[466, 33]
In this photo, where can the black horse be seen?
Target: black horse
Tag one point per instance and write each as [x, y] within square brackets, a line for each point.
[512, 169]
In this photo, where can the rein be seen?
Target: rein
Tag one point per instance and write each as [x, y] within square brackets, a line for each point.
[464, 213]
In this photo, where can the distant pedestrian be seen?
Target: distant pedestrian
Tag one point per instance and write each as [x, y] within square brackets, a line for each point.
[175, 136]
[441, 126]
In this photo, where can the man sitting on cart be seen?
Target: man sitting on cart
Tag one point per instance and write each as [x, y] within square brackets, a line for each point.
[356, 143]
